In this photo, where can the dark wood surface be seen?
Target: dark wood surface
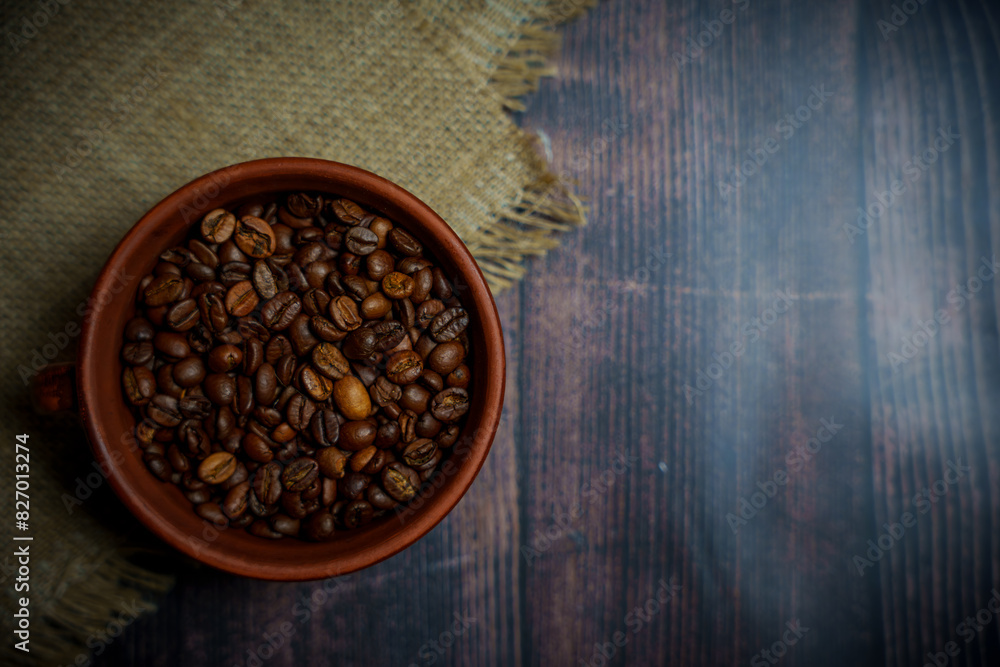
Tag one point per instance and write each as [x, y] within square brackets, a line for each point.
[610, 483]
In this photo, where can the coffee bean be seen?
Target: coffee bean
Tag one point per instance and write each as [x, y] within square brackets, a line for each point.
[256, 448]
[220, 388]
[189, 372]
[404, 367]
[318, 386]
[356, 435]
[241, 299]
[183, 315]
[301, 336]
[330, 361]
[267, 483]
[139, 383]
[235, 503]
[254, 237]
[319, 527]
[299, 412]
[225, 358]
[383, 391]
[360, 343]
[446, 357]
[163, 290]
[378, 264]
[427, 426]
[163, 410]
[303, 205]
[217, 468]
[388, 335]
[448, 324]
[264, 280]
[403, 243]
[353, 485]
[361, 241]
[218, 225]
[414, 397]
[300, 473]
[400, 482]
[325, 428]
[278, 313]
[347, 211]
[450, 404]
[397, 285]
[344, 313]
[234, 272]
[419, 452]
[265, 384]
[427, 311]
[315, 302]
[139, 329]
[351, 397]
[357, 513]
[332, 462]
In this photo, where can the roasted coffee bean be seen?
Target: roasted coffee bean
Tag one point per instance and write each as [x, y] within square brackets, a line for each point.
[388, 334]
[220, 388]
[299, 474]
[352, 398]
[263, 280]
[283, 433]
[427, 311]
[235, 503]
[194, 407]
[195, 439]
[397, 285]
[286, 525]
[299, 412]
[357, 287]
[284, 370]
[165, 381]
[165, 289]
[349, 264]
[446, 357]
[172, 345]
[403, 243]
[387, 435]
[330, 361]
[276, 348]
[199, 272]
[448, 324]
[278, 313]
[243, 400]
[234, 272]
[218, 225]
[356, 435]
[139, 329]
[265, 385]
[344, 313]
[360, 343]
[375, 307]
[267, 483]
[261, 528]
[410, 265]
[427, 426]
[361, 241]
[189, 372]
[229, 252]
[183, 315]
[404, 367]
[326, 330]
[325, 428]
[267, 417]
[379, 264]
[357, 513]
[315, 302]
[405, 312]
[450, 404]
[213, 513]
[432, 380]
[256, 448]
[163, 410]
[319, 527]
[460, 377]
[414, 397]
[423, 282]
[217, 468]
[332, 462]
[400, 482]
[383, 392]
[407, 426]
[303, 205]
[353, 485]
[251, 328]
[347, 211]
[241, 299]
[442, 288]
[225, 358]
[419, 452]
[254, 237]
[301, 336]
[213, 311]
[139, 383]
[318, 386]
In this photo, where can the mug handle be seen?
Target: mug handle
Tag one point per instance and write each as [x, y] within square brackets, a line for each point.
[53, 390]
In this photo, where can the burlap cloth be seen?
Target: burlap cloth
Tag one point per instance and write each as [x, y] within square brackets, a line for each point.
[109, 106]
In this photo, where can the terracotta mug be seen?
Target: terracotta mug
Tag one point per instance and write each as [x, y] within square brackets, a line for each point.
[93, 384]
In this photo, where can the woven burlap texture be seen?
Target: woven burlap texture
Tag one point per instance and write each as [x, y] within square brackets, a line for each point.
[109, 106]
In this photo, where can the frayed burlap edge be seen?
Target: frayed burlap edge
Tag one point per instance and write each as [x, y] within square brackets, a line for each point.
[525, 227]
[80, 618]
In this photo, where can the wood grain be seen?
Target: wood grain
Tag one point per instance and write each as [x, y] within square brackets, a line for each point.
[610, 483]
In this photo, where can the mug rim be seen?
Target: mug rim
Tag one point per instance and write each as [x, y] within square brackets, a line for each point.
[155, 224]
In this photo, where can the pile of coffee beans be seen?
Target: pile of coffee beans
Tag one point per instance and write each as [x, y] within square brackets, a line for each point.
[299, 366]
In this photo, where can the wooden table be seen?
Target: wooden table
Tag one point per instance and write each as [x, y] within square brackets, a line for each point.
[753, 406]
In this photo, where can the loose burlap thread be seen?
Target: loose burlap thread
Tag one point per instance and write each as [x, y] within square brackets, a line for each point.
[108, 106]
